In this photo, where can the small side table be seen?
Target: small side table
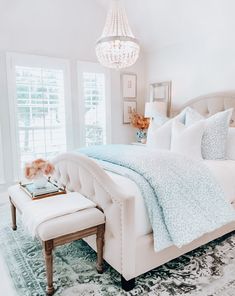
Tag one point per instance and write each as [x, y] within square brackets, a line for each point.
[138, 144]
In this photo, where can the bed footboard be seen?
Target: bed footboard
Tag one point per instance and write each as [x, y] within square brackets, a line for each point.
[82, 174]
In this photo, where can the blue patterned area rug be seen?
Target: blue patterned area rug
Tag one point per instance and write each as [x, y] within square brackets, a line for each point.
[207, 271]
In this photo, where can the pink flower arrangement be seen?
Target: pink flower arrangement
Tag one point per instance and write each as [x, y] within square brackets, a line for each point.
[38, 167]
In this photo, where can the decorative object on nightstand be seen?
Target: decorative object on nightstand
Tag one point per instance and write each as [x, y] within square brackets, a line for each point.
[141, 123]
[141, 135]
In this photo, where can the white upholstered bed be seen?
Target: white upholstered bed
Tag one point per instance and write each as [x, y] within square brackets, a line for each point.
[210, 104]
[128, 237]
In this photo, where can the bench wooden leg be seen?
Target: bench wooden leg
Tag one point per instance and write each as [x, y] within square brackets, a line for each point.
[48, 248]
[13, 214]
[100, 246]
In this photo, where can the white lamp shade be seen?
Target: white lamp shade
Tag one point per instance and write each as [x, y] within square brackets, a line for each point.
[148, 110]
[154, 108]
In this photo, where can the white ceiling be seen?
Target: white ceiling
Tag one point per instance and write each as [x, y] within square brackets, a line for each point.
[160, 23]
[63, 28]
[71, 27]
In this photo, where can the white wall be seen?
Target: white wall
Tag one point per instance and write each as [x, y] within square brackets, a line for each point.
[196, 67]
[62, 29]
[5, 124]
[124, 133]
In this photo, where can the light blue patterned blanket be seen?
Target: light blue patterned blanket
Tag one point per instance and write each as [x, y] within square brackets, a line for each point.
[182, 197]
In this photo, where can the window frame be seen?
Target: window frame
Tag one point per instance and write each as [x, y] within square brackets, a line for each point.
[16, 59]
[2, 171]
[93, 68]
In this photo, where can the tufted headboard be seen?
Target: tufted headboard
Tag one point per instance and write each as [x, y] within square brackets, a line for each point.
[210, 104]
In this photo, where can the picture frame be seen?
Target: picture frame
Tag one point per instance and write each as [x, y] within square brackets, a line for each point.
[161, 91]
[129, 85]
[128, 108]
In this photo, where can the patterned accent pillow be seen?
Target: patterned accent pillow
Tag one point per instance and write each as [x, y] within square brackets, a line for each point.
[214, 139]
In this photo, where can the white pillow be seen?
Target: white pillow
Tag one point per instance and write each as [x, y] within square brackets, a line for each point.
[192, 116]
[187, 140]
[214, 139]
[231, 144]
[160, 119]
[159, 136]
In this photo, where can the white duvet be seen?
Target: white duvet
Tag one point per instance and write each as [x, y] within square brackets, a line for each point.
[223, 171]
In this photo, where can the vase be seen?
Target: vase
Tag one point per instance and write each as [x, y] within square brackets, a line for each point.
[141, 134]
[40, 181]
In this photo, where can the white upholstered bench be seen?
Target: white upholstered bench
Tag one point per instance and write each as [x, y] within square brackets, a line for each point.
[62, 230]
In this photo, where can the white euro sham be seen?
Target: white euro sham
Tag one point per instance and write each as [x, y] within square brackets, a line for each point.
[187, 140]
[159, 136]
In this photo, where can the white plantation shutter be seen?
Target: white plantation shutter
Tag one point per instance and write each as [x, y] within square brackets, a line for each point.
[95, 113]
[39, 104]
[2, 175]
[94, 99]
[40, 112]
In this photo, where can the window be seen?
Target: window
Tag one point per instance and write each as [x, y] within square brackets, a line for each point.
[40, 112]
[94, 100]
[2, 175]
[39, 104]
[94, 104]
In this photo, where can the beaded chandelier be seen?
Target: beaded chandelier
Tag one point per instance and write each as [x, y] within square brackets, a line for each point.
[117, 47]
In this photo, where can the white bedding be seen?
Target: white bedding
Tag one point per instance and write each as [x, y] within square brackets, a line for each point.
[223, 171]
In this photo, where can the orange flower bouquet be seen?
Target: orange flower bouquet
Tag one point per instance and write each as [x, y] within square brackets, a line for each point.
[139, 121]
[37, 171]
[142, 123]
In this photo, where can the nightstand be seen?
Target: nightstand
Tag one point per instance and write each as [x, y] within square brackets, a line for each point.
[138, 144]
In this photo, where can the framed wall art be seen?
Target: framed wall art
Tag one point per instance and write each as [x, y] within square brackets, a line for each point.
[129, 85]
[128, 108]
[161, 91]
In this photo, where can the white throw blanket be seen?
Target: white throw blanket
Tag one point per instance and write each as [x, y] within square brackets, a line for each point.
[38, 211]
